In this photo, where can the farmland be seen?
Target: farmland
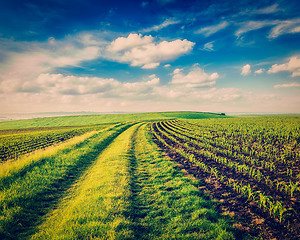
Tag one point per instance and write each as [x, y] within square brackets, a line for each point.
[175, 175]
[249, 162]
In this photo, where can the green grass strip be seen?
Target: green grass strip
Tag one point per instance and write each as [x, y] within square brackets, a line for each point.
[165, 203]
[95, 208]
[12, 168]
[103, 119]
[33, 193]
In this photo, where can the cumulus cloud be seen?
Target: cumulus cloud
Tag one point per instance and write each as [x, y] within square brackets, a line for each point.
[196, 78]
[189, 87]
[20, 68]
[139, 90]
[132, 41]
[150, 65]
[58, 92]
[246, 70]
[210, 30]
[293, 66]
[259, 71]
[198, 95]
[72, 85]
[222, 95]
[287, 85]
[59, 84]
[144, 52]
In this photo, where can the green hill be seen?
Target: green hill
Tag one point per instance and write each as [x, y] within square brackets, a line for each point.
[104, 118]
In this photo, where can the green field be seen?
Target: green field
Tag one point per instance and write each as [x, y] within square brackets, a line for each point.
[169, 175]
[103, 119]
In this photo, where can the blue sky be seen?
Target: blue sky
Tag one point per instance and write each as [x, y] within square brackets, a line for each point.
[140, 56]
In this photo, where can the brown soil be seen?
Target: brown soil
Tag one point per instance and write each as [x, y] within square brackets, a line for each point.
[249, 218]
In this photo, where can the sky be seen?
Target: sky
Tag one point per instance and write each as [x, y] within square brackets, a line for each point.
[144, 56]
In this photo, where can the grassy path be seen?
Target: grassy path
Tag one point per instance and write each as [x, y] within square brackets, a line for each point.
[33, 189]
[96, 207]
[113, 185]
[13, 169]
[132, 192]
[164, 203]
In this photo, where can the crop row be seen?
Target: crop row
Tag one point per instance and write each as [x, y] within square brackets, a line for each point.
[15, 145]
[111, 184]
[283, 159]
[275, 140]
[235, 160]
[217, 144]
[276, 208]
[27, 192]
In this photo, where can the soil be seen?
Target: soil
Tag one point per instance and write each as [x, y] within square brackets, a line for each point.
[249, 218]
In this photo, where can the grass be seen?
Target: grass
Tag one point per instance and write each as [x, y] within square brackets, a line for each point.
[108, 184]
[132, 192]
[17, 142]
[102, 119]
[166, 204]
[94, 208]
[30, 194]
[9, 170]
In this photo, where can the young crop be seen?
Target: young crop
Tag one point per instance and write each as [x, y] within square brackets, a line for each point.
[188, 139]
[18, 143]
[25, 190]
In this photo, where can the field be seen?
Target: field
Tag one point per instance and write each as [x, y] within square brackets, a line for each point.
[175, 175]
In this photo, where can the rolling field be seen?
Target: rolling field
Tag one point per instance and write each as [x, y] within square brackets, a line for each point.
[251, 165]
[179, 175]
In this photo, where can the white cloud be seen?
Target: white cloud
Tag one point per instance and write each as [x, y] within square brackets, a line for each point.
[150, 65]
[268, 10]
[164, 24]
[207, 31]
[208, 46]
[89, 39]
[167, 65]
[21, 68]
[50, 89]
[246, 70]
[143, 51]
[196, 78]
[293, 66]
[285, 27]
[259, 71]
[58, 84]
[287, 85]
[72, 85]
[51, 40]
[278, 27]
[222, 95]
[133, 40]
[57, 92]
[210, 95]
[253, 25]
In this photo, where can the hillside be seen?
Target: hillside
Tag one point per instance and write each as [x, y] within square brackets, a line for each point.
[103, 119]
